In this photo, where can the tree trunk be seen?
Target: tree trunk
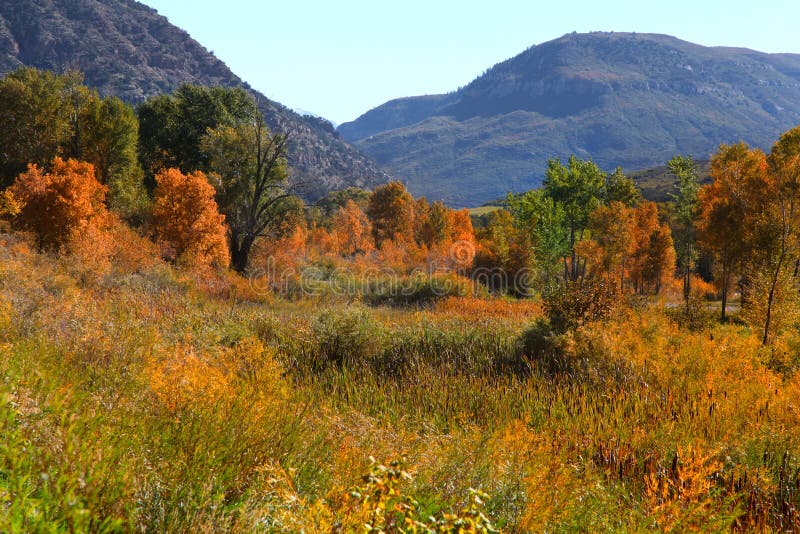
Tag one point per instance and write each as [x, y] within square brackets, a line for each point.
[687, 277]
[771, 298]
[240, 254]
[725, 279]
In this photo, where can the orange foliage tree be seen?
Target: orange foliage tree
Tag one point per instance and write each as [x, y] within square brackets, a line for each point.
[60, 205]
[460, 239]
[653, 261]
[725, 209]
[187, 220]
[612, 243]
[629, 242]
[391, 212]
[352, 230]
[778, 228]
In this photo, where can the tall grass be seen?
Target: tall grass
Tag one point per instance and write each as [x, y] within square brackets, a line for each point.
[158, 400]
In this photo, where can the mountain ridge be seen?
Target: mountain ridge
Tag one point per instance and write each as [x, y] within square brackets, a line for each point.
[621, 99]
[126, 49]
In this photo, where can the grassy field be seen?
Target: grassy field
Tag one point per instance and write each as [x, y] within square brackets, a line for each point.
[148, 398]
[483, 210]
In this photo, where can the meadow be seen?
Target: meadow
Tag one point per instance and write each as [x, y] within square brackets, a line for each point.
[147, 397]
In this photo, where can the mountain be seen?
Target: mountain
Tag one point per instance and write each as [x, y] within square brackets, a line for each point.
[621, 99]
[127, 49]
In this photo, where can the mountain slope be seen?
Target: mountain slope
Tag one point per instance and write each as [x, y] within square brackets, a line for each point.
[127, 49]
[632, 100]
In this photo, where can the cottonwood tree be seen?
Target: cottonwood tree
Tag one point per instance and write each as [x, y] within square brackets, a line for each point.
[37, 111]
[654, 255]
[249, 172]
[46, 115]
[613, 239]
[620, 188]
[352, 230]
[172, 126]
[632, 242]
[503, 252]
[578, 188]
[109, 134]
[727, 209]
[544, 221]
[781, 221]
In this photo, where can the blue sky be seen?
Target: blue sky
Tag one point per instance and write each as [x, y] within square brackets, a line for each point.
[340, 58]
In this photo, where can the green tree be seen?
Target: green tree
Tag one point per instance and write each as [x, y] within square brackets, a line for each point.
[577, 188]
[248, 169]
[38, 117]
[545, 223]
[109, 137]
[620, 188]
[683, 216]
[172, 126]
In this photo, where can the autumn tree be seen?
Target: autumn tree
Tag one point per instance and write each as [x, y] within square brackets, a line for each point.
[423, 233]
[60, 205]
[391, 212]
[613, 239]
[726, 210]
[186, 218]
[780, 223]
[460, 239]
[433, 223]
[653, 259]
[504, 252]
[631, 244]
[352, 231]
[47, 115]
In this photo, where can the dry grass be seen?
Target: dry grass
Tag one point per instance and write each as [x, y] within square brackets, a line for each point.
[155, 399]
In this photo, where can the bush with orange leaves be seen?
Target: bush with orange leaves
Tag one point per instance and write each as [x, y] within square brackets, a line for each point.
[61, 205]
[185, 380]
[187, 220]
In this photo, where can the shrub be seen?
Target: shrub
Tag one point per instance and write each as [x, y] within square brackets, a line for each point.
[575, 303]
[343, 338]
[416, 289]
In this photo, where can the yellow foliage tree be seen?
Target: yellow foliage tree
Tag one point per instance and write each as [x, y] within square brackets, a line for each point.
[352, 230]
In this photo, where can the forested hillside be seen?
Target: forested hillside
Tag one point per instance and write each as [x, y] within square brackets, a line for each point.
[127, 49]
